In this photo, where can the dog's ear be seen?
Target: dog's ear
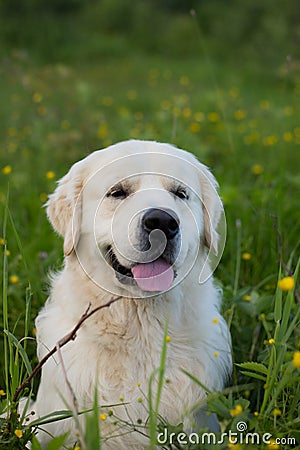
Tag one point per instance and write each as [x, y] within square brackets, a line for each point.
[211, 206]
[64, 209]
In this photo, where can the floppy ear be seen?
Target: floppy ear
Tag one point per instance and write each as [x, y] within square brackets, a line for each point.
[64, 209]
[212, 208]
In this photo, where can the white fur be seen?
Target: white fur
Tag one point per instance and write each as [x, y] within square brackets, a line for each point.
[118, 349]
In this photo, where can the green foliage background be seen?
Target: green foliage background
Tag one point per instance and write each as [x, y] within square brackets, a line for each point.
[222, 81]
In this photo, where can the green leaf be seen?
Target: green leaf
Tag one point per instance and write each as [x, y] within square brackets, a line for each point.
[92, 429]
[254, 375]
[256, 367]
[57, 443]
[35, 445]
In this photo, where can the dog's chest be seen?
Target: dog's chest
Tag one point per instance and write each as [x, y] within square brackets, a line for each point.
[122, 366]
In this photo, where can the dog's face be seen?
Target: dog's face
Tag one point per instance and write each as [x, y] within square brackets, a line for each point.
[137, 215]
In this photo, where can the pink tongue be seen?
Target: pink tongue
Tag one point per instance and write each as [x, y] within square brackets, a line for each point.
[155, 276]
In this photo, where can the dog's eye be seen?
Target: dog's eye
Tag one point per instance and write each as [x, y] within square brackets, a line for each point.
[117, 192]
[181, 193]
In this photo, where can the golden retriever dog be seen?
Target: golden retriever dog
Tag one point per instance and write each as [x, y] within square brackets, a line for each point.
[139, 221]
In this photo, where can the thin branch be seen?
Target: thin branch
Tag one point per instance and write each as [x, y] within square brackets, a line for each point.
[61, 343]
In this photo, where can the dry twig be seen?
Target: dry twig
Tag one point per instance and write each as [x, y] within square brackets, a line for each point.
[61, 343]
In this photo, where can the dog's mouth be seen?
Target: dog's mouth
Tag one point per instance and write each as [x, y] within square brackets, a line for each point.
[154, 276]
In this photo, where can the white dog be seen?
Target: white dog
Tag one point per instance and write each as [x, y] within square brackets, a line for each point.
[138, 220]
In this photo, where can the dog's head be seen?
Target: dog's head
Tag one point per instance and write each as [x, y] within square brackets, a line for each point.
[136, 215]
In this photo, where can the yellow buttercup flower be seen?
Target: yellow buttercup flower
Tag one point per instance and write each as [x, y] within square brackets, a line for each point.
[6, 170]
[257, 169]
[14, 279]
[50, 175]
[236, 411]
[2, 393]
[296, 359]
[194, 127]
[103, 417]
[246, 256]
[240, 114]
[286, 283]
[19, 433]
[214, 117]
[271, 341]
[273, 445]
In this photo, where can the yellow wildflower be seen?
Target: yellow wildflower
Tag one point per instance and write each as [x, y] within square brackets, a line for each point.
[246, 256]
[50, 175]
[168, 339]
[37, 97]
[273, 445]
[199, 116]
[257, 169]
[6, 170]
[256, 413]
[43, 197]
[103, 417]
[265, 105]
[194, 127]
[2, 241]
[296, 359]
[268, 141]
[42, 110]
[2, 393]
[19, 433]
[271, 341]
[12, 131]
[14, 279]
[236, 411]
[240, 114]
[287, 136]
[215, 320]
[286, 284]
[214, 117]
[186, 113]
[102, 131]
[276, 412]
[233, 446]
[165, 105]
[247, 298]
[184, 80]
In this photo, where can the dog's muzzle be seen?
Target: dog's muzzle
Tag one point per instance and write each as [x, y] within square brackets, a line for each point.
[160, 238]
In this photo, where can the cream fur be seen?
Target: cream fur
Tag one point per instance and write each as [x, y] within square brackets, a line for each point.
[119, 348]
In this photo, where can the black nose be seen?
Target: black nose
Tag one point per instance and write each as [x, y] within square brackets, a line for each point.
[160, 219]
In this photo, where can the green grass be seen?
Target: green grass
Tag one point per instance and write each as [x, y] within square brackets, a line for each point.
[241, 121]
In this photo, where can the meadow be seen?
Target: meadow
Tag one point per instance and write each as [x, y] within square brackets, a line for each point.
[243, 121]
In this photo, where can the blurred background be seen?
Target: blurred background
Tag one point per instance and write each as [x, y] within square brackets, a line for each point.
[220, 79]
